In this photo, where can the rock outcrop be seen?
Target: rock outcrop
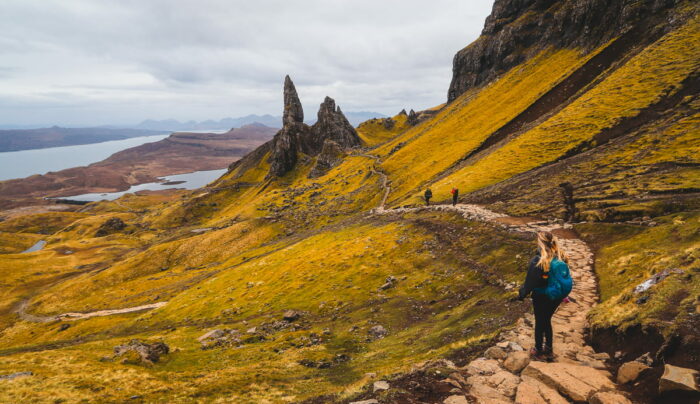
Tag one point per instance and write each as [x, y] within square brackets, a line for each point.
[293, 111]
[517, 30]
[296, 137]
[140, 352]
[330, 156]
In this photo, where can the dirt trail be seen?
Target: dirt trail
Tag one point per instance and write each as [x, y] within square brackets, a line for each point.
[506, 374]
[22, 312]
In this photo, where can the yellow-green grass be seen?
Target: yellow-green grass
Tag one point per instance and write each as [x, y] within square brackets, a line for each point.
[334, 277]
[374, 133]
[655, 72]
[11, 242]
[436, 144]
[42, 223]
[612, 181]
[627, 255]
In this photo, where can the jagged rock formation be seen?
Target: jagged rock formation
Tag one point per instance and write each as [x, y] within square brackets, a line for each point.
[331, 154]
[297, 137]
[518, 29]
[412, 118]
[331, 125]
[293, 111]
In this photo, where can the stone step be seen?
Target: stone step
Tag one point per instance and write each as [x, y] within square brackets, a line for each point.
[573, 381]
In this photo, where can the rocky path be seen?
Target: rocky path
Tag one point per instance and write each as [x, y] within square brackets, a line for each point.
[506, 373]
[22, 312]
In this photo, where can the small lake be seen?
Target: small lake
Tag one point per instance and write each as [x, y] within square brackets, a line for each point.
[193, 180]
[36, 247]
[23, 163]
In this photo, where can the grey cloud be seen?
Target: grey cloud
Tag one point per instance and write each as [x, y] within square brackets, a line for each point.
[200, 59]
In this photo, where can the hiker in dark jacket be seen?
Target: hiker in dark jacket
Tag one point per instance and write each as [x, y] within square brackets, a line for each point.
[428, 194]
[455, 196]
[535, 281]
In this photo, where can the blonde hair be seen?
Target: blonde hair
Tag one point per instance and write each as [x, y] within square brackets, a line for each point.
[549, 249]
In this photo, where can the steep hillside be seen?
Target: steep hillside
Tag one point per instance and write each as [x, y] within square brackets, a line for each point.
[309, 271]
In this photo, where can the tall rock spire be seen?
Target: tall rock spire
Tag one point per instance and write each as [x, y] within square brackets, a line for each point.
[293, 111]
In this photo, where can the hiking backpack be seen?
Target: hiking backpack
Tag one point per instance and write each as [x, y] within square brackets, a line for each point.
[559, 283]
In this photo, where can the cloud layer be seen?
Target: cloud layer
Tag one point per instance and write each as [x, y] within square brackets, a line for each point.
[86, 62]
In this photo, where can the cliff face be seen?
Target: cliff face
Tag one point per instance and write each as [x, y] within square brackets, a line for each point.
[297, 137]
[517, 30]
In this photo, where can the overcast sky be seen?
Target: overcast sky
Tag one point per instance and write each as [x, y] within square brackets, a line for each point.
[89, 62]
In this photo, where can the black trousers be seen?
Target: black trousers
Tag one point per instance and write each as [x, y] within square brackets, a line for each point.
[544, 310]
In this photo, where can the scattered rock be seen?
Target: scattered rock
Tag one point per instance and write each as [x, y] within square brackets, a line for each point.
[456, 400]
[678, 378]
[656, 278]
[378, 332]
[630, 371]
[646, 359]
[218, 337]
[495, 353]
[13, 376]
[574, 381]
[380, 385]
[137, 352]
[63, 327]
[516, 361]
[389, 283]
[112, 225]
[608, 397]
[291, 315]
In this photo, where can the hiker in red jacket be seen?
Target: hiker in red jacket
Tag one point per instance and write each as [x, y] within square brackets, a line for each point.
[455, 195]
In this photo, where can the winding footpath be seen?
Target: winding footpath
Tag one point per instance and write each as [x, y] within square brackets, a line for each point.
[505, 374]
[22, 312]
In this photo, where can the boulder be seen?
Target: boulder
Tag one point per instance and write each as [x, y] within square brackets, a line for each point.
[482, 367]
[495, 353]
[291, 315]
[678, 378]
[573, 381]
[455, 400]
[516, 361]
[630, 371]
[378, 331]
[504, 382]
[532, 391]
[608, 397]
[380, 386]
[219, 337]
[137, 351]
[487, 395]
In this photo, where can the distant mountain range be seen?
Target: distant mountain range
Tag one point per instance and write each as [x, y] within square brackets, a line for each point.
[55, 136]
[355, 119]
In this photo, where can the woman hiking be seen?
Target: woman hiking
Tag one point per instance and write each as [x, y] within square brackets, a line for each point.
[549, 280]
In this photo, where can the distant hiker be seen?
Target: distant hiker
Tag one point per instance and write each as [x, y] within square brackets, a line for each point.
[549, 280]
[455, 196]
[428, 194]
[567, 191]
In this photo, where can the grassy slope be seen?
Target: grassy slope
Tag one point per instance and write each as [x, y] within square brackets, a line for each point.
[627, 255]
[435, 145]
[657, 71]
[334, 276]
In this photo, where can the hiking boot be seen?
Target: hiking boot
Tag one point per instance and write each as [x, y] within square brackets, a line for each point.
[547, 355]
[537, 355]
